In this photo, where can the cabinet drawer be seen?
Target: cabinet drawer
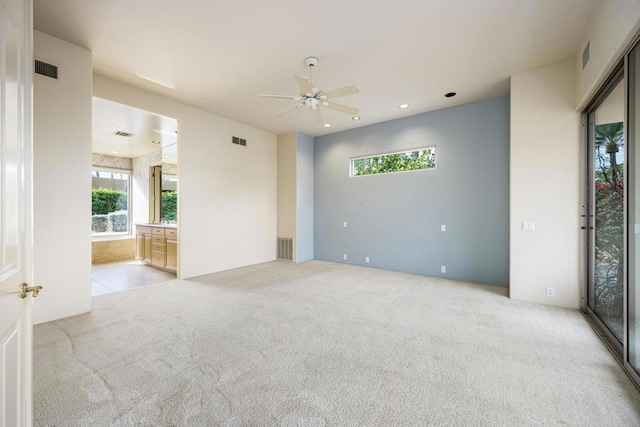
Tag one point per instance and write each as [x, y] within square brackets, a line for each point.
[171, 232]
[158, 260]
[158, 240]
[157, 248]
[158, 231]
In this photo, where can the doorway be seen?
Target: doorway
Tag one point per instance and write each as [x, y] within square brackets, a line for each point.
[127, 144]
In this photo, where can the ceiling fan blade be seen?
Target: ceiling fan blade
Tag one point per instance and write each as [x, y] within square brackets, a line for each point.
[305, 85]
[289, 109]
[339, 107]
[317, 115]
[338, 93]
[297, 98]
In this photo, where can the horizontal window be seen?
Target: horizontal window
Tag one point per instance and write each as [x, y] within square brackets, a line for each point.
[399, 161]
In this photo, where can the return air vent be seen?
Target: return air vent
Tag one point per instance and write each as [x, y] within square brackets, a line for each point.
[124, 134]
[239, 141]
[47, 70]
[285, 248]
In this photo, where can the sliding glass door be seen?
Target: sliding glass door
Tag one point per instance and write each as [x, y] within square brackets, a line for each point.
[613, 286]
[606, 216]
[633, 210]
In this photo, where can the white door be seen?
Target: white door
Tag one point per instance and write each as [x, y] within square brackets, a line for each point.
[15, 211]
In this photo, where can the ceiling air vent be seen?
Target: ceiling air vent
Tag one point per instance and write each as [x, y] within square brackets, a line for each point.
[239, 141]
[48, 70]
[125, 134]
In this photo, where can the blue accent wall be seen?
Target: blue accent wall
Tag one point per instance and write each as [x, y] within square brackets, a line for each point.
[395, 219]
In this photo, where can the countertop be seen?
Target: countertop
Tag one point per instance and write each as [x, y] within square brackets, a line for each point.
[158, 225]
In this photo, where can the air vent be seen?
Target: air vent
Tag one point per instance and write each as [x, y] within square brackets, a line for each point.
[44, 69]
[124, 134]
[239, 141]
[285, 248]
[585, 55]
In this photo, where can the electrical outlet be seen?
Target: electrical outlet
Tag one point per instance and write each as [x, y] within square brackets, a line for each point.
[443, 269]
[551, 292]
[344, 224]
[344, 257]
[366, 259]
[443, 227]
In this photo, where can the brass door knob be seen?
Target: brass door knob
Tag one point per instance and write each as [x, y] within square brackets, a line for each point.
[26, 289]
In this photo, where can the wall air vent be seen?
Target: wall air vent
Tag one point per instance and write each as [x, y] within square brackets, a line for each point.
[239, 141]
[124, 134]
[285, 248]
[47, 70]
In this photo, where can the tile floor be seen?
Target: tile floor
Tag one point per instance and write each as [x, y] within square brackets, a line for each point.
[120, 276]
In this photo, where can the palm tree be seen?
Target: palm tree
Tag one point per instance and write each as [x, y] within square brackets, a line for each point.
[611, 136]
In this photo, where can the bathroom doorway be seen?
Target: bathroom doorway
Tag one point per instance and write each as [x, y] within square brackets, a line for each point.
[128, 144]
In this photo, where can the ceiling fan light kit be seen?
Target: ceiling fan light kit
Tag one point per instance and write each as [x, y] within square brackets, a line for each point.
[314, 98]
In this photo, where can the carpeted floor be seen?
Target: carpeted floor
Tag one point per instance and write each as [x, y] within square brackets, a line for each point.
[323, 344]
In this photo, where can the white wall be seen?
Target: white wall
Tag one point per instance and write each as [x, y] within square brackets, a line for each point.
[287, 186]
[544, 186]
[613, 26]
[295, 192]
[62, 181]
[227, 192]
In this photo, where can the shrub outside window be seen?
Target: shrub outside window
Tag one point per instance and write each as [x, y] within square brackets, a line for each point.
[110, 201]
[398, 161]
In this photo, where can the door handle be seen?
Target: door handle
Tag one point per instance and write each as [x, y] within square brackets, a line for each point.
[26, 289]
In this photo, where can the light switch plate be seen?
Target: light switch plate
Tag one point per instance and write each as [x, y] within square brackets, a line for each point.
[443, 227]
[528, 225]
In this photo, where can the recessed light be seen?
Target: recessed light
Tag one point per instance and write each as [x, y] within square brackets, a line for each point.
[403, 106]
[156, 142]
[325, 103]
[450, 94]
[327, 125]
[355, 118]
[115, 152]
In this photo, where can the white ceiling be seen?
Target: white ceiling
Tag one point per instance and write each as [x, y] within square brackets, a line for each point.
[219, 55]
[110, 117]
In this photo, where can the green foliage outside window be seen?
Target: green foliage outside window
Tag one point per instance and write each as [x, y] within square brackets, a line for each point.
[396, 162]
[104, 201]
[169, 205]
[609, 230]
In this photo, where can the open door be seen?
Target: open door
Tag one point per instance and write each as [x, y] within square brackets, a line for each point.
[16, 32]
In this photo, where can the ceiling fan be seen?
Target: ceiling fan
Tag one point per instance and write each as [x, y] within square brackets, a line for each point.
[314, 98]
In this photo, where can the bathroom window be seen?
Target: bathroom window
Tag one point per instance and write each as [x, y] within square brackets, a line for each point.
[110, 201]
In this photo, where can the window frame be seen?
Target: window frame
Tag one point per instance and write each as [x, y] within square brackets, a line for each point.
[122, 234]
[390, 153]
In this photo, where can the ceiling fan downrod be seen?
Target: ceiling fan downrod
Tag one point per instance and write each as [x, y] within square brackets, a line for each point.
[311, 62]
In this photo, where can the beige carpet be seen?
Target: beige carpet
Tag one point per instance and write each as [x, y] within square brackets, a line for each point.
[322, 344]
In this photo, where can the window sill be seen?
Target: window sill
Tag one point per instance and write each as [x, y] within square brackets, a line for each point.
[110, 237]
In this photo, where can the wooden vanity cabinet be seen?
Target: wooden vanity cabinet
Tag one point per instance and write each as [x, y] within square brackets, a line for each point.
[158, 246]
[171, 249]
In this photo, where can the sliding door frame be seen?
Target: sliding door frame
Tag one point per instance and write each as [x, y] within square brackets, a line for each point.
[589, 224]
[633, 146]
[619, 74]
